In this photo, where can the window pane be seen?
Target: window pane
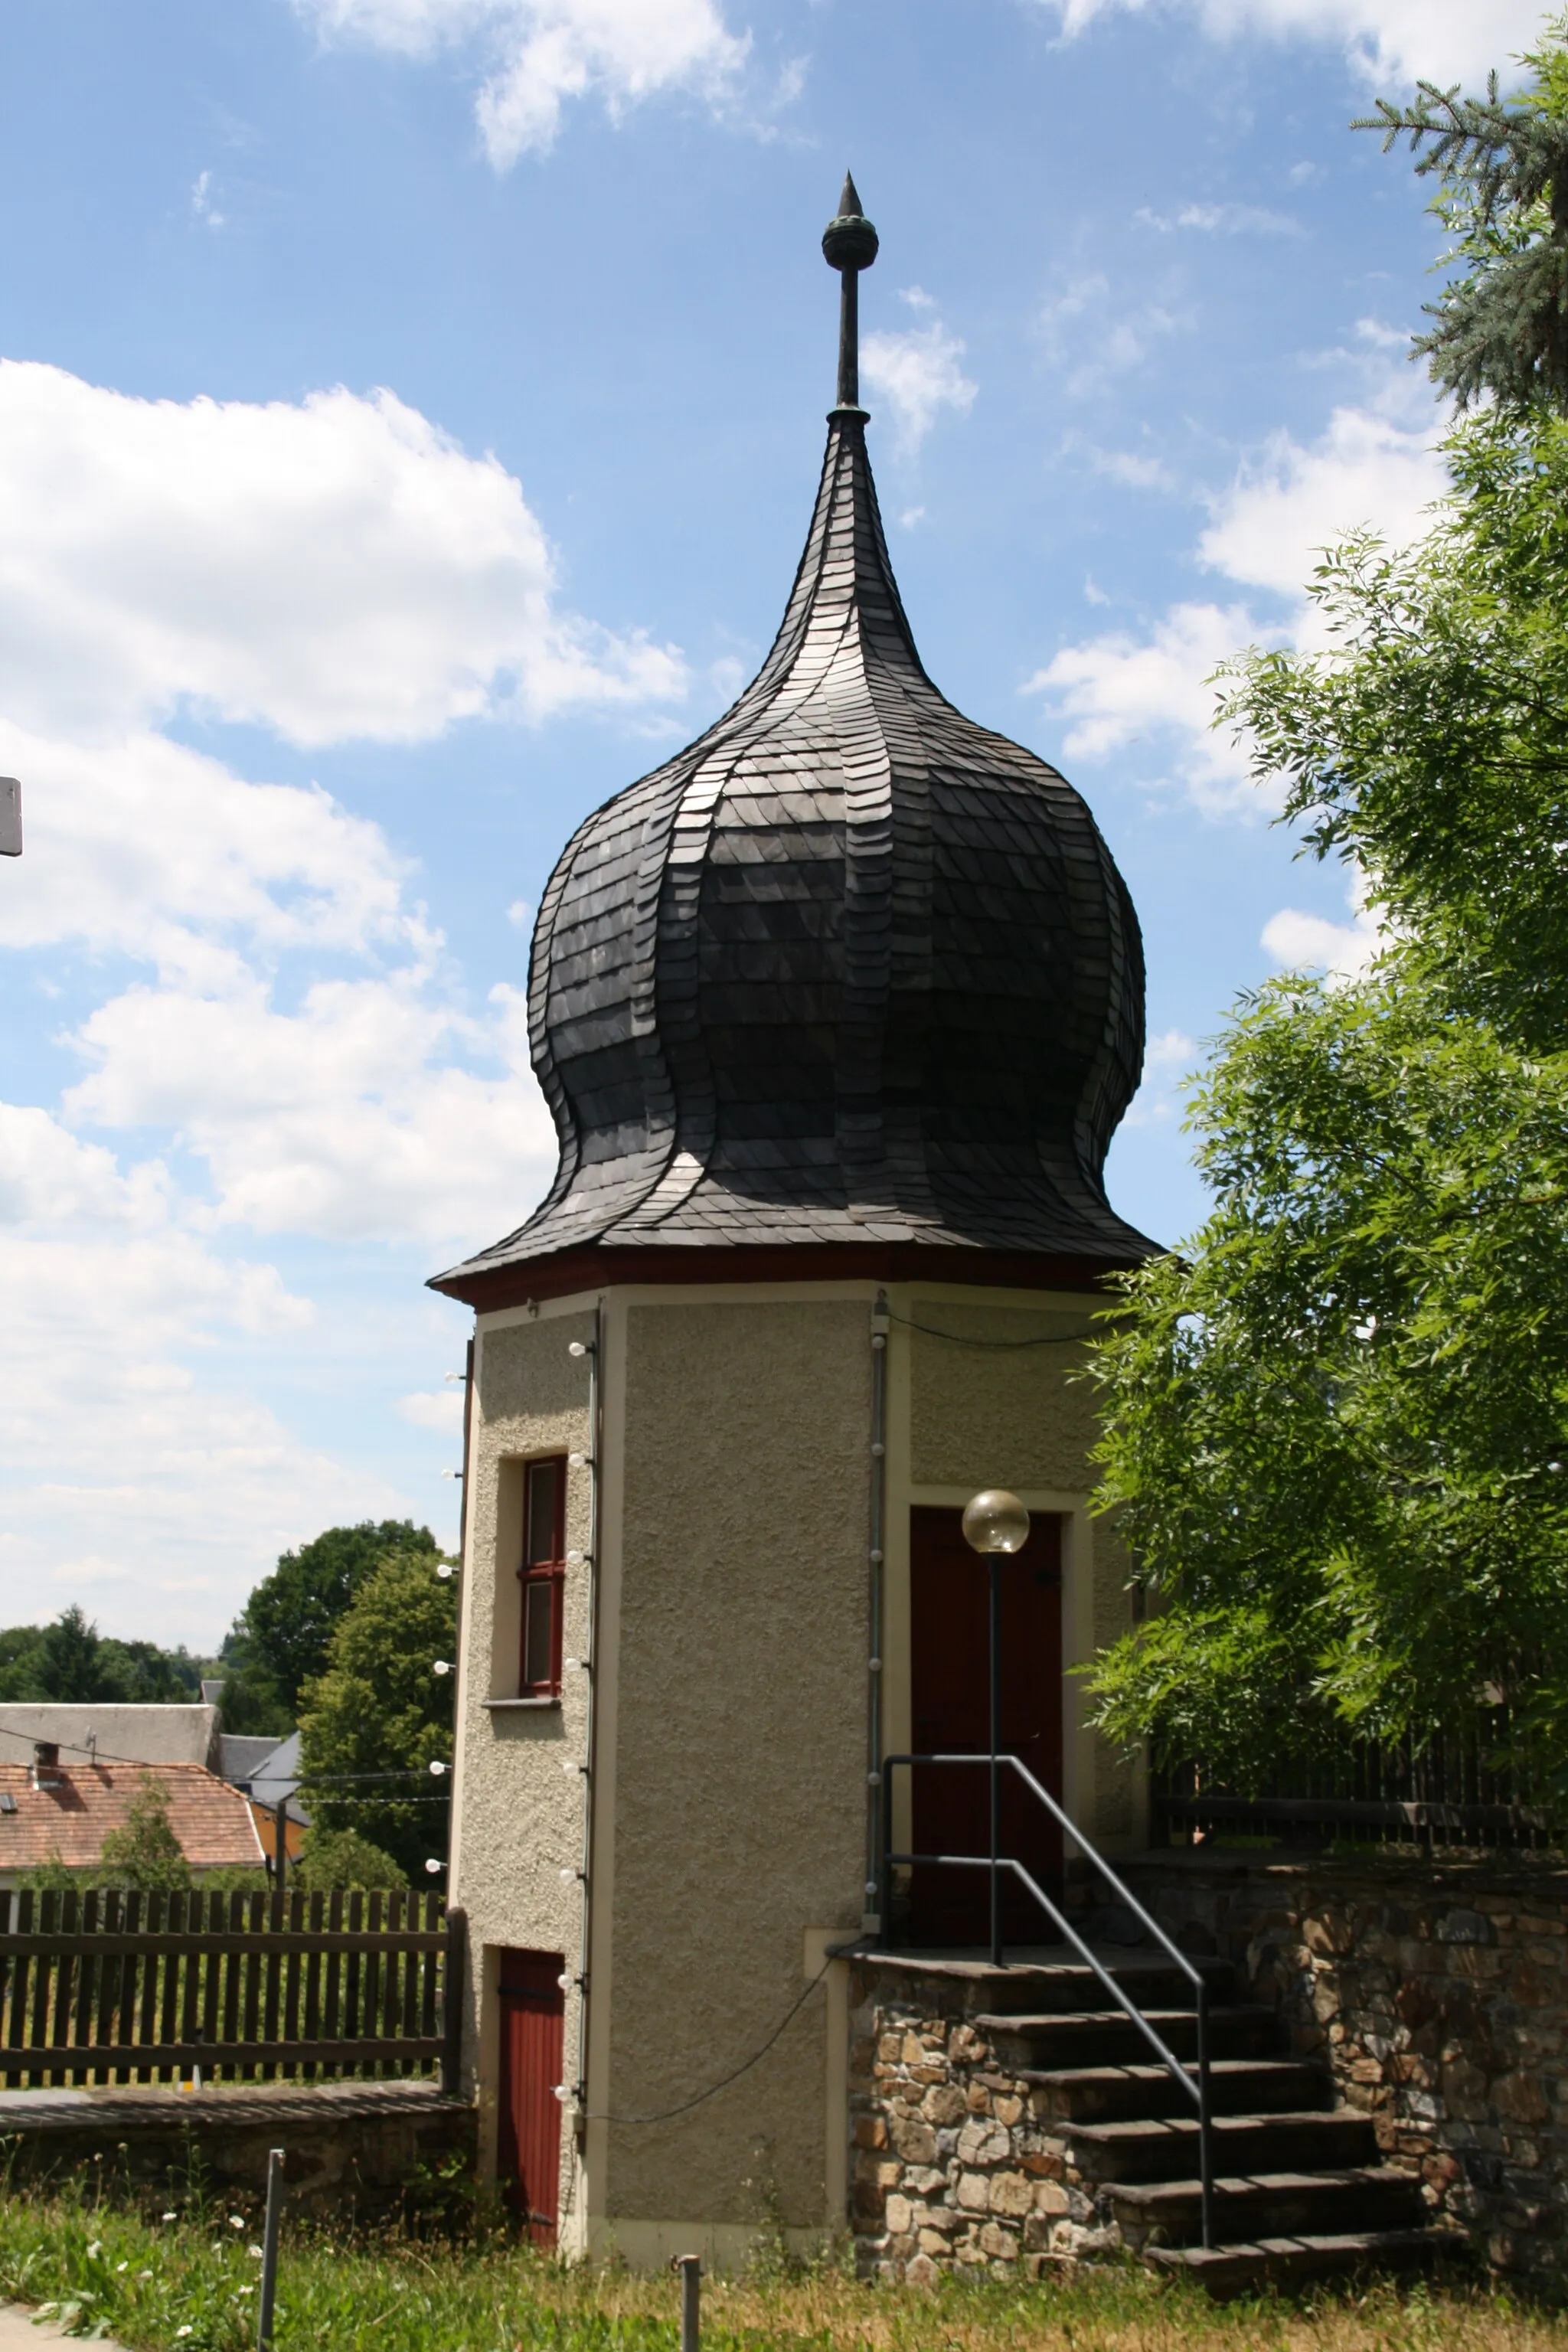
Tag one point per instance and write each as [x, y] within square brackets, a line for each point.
[543, 1489]
[538, 1647]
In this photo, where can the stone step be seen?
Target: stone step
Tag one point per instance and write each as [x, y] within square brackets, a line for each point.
[1167, 2150]
[1229, 2271]
[1108, 2037]
[1058, 1986]
[1237, 2086]
[1268, 2204]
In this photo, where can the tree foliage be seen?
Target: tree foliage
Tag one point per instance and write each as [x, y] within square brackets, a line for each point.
[145, 1854]
[285, 1628]
[334, 1860]
[380, 1707]
[71, 1661]
[1502, 323]
[1338, 1422]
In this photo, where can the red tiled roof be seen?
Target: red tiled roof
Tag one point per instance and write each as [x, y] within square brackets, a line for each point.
[71, 1819]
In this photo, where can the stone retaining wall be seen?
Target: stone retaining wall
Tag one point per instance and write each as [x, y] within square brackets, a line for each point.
[952, 2169]
[353, 2151]
[1438, 1994]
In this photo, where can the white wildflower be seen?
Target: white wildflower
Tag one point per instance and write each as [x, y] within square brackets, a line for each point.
[120, 2266]
[94, 2251]
[184, 2331]
[143, 2274]
[236, 2221]
[170, 2217]
[255, 2252]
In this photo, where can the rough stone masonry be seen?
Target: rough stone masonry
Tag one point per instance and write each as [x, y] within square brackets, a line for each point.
[953, 2169]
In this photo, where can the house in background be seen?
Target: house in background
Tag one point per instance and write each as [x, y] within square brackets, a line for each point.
[120, 1735]
[837, 1013]
[61, 1809]
[269, 1776]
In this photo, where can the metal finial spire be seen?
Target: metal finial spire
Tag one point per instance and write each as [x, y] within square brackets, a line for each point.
[849, 245]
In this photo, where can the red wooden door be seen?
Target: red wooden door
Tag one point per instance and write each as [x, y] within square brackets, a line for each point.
[533, 2031]
[949, 1606]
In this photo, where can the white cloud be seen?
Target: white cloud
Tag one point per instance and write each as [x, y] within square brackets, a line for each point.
[540, 53]
[442, 1409]
[121, 1462]
[1385, 40]
[1283, 507]
[202, 202]
[333, 568]
[1301, 942]
[918, 375]
[1116, 690]
[1229, 220]
[1266, 529]
[350, 1117]
[1168, 1059]
[1096, 333]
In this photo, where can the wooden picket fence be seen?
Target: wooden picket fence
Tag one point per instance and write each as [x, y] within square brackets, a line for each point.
[112, 1987]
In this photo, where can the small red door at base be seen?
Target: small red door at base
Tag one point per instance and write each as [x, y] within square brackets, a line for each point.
[532, 2042]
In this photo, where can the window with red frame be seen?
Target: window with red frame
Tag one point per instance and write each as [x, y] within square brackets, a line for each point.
[543, 1575]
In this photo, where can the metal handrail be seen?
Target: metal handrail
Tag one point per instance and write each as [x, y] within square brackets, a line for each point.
[1196, 2090]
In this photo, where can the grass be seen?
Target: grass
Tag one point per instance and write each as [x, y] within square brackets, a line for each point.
[187, 2283]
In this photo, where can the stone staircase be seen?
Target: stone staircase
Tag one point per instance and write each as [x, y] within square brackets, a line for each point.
[1300, 2190]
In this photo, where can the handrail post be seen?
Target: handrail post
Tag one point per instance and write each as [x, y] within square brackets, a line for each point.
[1205, 2139]
[995, 1565]
[885, 1897]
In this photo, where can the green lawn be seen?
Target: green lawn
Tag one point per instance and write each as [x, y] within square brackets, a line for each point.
[187, 2282]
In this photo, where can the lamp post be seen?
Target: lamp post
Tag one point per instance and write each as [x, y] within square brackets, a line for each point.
[995, 1524]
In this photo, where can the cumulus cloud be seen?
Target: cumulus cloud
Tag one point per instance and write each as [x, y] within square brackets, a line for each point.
[350, 1116]
[1120, 690]
[537, 55]
[1095, 333]
[330, 568]
[1385, 40]
[1297, 942]
[121, 1463]
[1168, 1059]
[1227, 220]
[917, 374]
[1370, 466]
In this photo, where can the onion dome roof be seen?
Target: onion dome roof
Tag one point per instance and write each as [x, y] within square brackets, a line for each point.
[849, 967]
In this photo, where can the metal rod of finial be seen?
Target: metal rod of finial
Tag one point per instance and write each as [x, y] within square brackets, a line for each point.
[849, 245]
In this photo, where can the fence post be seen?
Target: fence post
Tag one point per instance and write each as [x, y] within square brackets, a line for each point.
[454, 1990]
[690, 2268]
[269, 2249]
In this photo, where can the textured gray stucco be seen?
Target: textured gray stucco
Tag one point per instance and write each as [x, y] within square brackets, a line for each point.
[741, 1800]
[520, 1819]
[1010, 1415]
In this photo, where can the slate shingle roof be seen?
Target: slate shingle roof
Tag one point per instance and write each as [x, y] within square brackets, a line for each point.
[848, 967]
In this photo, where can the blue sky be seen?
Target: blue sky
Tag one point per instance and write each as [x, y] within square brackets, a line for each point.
[409, 416]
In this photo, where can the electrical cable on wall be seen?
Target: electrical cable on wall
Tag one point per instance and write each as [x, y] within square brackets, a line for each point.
[667, 2114]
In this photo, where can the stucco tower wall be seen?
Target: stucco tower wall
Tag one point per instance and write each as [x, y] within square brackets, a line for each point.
[984, 1393]
[518, 1821]
[740, 1727]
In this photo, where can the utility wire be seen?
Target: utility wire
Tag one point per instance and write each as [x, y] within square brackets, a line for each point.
[667, 2113]
[963, 1339]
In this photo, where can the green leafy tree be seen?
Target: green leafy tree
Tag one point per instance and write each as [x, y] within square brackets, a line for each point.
[331, 1859]
[145, 1854]
[288, 1624]
[1337, 1423]
[71, 1661]
[381, 1708]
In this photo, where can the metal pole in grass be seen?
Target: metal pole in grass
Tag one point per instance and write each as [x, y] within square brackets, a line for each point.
[269, 2249]
[690, 2268]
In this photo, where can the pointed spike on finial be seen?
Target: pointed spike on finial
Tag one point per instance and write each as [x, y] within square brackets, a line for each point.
[849, 241]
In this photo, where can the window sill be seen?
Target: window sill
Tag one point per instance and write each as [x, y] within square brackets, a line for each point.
[500, 1706]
